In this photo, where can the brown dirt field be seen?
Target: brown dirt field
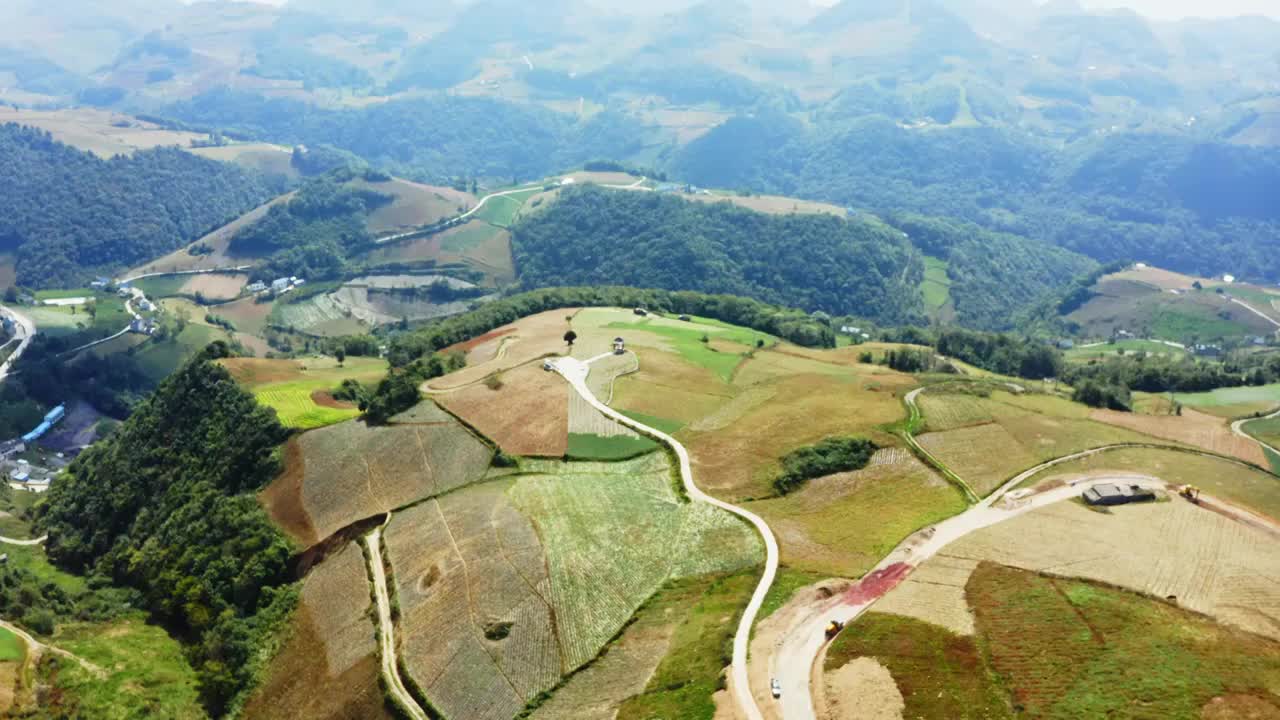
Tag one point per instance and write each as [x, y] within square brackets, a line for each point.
[460, 563]
[92, 130]
[414, 206]
[773, 204]
[180, 259]
[254, 344]
[258, 371]
[1240, 707]
[475, 343]
[1211, 564]
[215, 286]
[324, 398]
[263, 157]
[533, 337]
[1192, 428]
[863, 689]
[528, 415]
[328, 668]
[248, 316]
[344, 473]
[1163, 279]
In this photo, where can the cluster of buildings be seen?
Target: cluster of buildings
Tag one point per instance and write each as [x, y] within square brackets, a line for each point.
[279, 286]
[143, 326]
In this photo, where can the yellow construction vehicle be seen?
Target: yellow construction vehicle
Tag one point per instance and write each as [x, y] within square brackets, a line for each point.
[1191, 493]
[833, 628]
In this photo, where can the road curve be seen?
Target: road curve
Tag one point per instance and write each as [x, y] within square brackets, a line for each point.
[575, 372]
[1237, 427]
[25, 331]
[386, 628]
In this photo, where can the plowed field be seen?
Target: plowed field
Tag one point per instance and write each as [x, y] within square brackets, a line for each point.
[1191, 428]
[527, 415]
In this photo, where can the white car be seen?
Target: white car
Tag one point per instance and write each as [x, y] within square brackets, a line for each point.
[776, 688]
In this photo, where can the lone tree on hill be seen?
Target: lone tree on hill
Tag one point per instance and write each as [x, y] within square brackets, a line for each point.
[569, 337]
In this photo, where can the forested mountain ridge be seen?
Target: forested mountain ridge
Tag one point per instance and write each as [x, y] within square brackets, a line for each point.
[166, 505]
[816, 262]
[69, 214]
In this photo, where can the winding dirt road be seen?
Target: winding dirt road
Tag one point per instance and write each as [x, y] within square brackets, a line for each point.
[24, 332]
[575, 372]
[387, 628]
[1237, 427]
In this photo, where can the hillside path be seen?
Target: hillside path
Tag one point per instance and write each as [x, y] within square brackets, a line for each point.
[1256, 311]
[575, 372]
[24, 332]
[35, 648]
[387, 629]
[1237, 427]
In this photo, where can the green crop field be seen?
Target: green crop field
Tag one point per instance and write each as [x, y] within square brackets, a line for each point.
[1234, 402]
[61, 294]
[665, 425]
[157, 359]
[12, 649]
[161, 286]
[502, 210]
[1074, 649]
[468, 237]
[936, 287]
[1268, 431]
[295, 407]
[588, 446]
[722, 352]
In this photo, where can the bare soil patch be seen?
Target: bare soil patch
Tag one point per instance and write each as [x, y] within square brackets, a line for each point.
[528, 339]
[934, 593]
[327, 669]
[215, 286]
[527, 415]
[218, 240]
[862, 689]
[324, 398]
[1240, 707]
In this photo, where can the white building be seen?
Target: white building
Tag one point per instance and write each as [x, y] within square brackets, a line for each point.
[279, 284]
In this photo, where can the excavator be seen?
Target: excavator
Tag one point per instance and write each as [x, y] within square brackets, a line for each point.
[833, 628]
[1191, 493]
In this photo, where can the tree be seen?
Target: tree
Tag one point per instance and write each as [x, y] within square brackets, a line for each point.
[569, 337]
[341, 355]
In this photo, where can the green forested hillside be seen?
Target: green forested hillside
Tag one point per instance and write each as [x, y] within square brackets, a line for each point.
[1194, 206]
[431, 139]
[69, 214]
[592, 236]
[166, 505]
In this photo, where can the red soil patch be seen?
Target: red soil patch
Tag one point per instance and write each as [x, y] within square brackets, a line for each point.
[471, 344]
[257, 371]
[876, 584]
[527, 415]
[283, 501]
[324, 398]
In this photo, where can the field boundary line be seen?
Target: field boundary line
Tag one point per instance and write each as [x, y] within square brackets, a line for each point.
[575, 372]
[914, 417]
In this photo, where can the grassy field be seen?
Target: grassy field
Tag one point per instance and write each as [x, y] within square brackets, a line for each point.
[148, 674]
[585, 446]
[721, 353]
[161, 286]
[936, 287]
[296, 407]
[844, 524]
[63, 294]
[502, 210]
[692, 670]
[661, 424]
[12, 649]
[1072, 649]
[1267, 431]
[989, 440]
[1148, 311]
[157, 359]
[1234, 402]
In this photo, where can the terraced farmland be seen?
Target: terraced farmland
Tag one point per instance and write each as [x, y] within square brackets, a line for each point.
[474, 556]
[348, 472]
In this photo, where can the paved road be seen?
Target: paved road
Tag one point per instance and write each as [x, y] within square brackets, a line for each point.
[1237, 427]
[576, 371]
[387, 628]
[460, 218]
[24, 332]
[237, 268]
[24, 543]
[135, 294]
[1256, 311]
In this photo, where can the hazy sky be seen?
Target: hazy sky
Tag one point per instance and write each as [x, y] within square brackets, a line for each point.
[1172, 9]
